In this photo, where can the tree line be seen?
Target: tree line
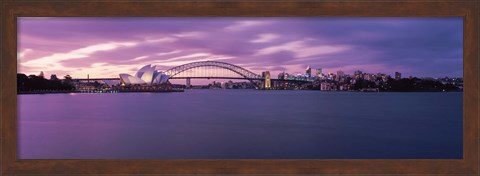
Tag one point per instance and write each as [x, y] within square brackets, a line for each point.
[38, 83]
[406, 85]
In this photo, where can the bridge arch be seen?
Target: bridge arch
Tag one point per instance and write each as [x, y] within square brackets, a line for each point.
[223, 65]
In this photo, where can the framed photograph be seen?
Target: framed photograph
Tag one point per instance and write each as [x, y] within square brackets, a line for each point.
[201, 87]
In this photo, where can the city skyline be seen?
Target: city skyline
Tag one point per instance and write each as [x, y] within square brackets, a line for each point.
[105, 47]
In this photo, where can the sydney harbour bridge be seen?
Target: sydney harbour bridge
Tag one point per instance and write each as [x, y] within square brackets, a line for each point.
[214, 70]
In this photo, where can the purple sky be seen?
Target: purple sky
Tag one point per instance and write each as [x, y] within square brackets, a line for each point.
[105, 47]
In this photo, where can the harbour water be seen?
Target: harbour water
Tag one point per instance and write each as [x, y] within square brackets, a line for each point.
[241, 124]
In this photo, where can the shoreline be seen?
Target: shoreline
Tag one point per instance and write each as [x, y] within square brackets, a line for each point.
[183, 90]
[95, 92]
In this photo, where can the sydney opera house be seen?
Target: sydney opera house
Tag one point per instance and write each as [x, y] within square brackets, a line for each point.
[147, 75]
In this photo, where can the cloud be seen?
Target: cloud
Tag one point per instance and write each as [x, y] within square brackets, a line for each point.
[168, 53]
[191, 35]
[242, 25]
[160, 40]
[102, 70]
[301, 49]
[275, 70]
[264, 38]
[53, 61]
[139, 58]
[327, 42]
[23, 53]
[195, 57]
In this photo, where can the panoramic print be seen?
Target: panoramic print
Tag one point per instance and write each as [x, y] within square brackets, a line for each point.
[240, 88]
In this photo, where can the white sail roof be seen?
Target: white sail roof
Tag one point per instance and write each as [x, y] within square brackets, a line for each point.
[146, 75]
[140, 72]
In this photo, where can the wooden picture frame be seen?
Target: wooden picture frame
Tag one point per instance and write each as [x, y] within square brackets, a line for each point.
[10, 10]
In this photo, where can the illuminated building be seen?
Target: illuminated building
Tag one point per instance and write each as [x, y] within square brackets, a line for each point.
[398, 75]
[308, 72]
[281, 75]
[266, 83]
[358, 74]
[319, 72]
[340, 73]
[147, 75]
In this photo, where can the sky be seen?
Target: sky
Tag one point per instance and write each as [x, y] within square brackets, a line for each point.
[106, 47]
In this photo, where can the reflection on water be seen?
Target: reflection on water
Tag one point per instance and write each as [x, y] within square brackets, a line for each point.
[241, 124]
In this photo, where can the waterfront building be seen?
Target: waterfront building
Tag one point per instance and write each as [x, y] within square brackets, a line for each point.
[147, 75]
[358, 74]
[229, 84]
[266, 83]
[85, 87]
[281, 75]
[398, 75]
[331, 76]
[369, 77]
[385, 77]
[319, 72]
[308, 72]
[326, 86]
[340, 75]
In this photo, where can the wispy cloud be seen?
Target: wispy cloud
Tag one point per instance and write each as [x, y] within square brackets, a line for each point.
[139, 58]
[160, 40]
[69, 45]
[102, 70]
[168, 53]
[242, 25]
[23, 53]
[53, 61]
[195, 57]
[194, 34]
[301, 49]
[263, 38]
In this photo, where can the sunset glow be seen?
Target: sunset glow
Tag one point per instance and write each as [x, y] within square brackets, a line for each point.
[105, 47]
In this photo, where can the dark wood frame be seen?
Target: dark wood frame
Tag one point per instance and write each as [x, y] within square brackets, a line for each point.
[10, 165]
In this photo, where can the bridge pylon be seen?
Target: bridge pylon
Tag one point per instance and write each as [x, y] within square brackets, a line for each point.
[188, 82]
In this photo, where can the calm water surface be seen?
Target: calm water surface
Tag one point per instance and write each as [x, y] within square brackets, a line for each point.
[241, 124]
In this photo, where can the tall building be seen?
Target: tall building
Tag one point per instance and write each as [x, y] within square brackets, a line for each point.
[340, 73]
[266, 83]
[319, 72]
[369, 77]
[398, 75]
[308, 72]
[281, 75]
[358, 74]
[41, 74]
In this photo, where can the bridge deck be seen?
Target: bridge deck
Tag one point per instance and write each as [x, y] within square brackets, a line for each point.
[114, 79]
[95, 79]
